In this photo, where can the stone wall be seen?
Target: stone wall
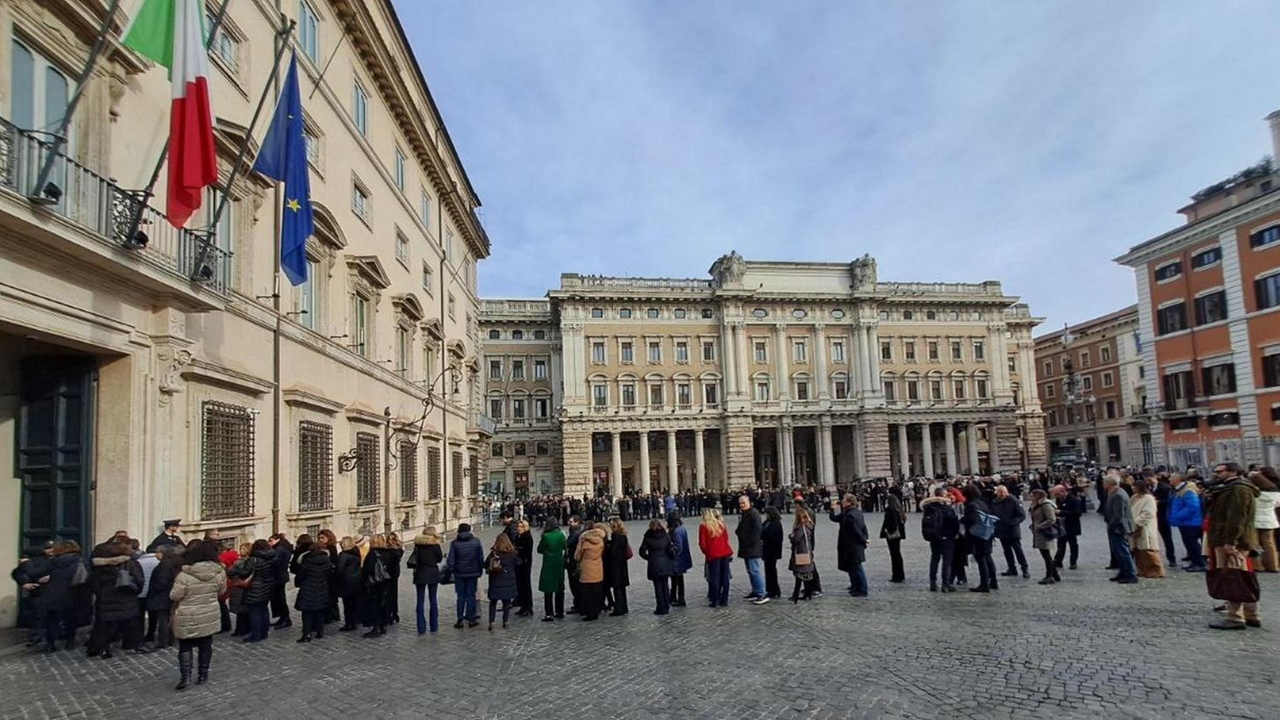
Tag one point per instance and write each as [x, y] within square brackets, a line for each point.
[576, 455]
[740, 451]
[875, 438]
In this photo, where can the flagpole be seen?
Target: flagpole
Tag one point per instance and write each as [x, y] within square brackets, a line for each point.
[276, 223]
[206, 241]
[59, 137]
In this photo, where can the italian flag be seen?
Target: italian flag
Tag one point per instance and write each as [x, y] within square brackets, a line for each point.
[171, 32]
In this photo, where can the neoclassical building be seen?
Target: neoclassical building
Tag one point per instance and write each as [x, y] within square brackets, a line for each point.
[778, 372]
[144, 378]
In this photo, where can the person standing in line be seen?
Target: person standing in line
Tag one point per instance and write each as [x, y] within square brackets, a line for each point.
[329, 541]
[892, 530]
[980, 547]
[524, 570]
[391, 597]
[279, 602]
[1265, 521]
[617, 553]
[375, 582]
[751, 549]
[683, 560]
[425, 563]
[348, 583]
[713, 540]
[656, 549]
[801, 564]
[158, 587]
[501, 566]
[1071, 507]
[1044, 533]
[570, 560]
[939, 525]
[1163, 493]
[60, 594]
[1119, 518]
[148, 562]
[772, 538]
[314, 569]
[1232, 506]
[551, 546]
[590, 561]
[1185, 514]
[1145, 540]
[195, 612]
[260, 572]
[851, 544]
[1010, 514]
[466, 563]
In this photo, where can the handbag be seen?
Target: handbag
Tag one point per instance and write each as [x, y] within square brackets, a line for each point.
[445, 575]
[1232, 585]
[1052, 532]
[804, 559]
[124, 579]
[413, 560]
[494, 565]
[378, 573]
[81, 575]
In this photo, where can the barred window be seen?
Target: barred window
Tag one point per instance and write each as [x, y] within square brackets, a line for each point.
[315, 466]
[369, 470]
[226, 489]
[474, 486]
[433, 473]
[456, 475]
[408, 470]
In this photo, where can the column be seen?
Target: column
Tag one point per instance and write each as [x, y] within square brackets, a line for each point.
[700, 460]
[949, 447]
[615, 465]
[971, 434]
[926, 445]
[873, 342]
[859, 449]
[784, 375]
[869, 386]
[729, 360]
[826, 458]
[820, 361]
[904, 455]
[740, 357]
[672, 467]
[780, 444]
[789, 454]
[857, 363]
[644, 462]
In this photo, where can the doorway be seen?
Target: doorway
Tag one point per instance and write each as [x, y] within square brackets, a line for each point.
[55, 449]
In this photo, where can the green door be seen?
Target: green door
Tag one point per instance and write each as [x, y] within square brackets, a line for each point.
[55, 426]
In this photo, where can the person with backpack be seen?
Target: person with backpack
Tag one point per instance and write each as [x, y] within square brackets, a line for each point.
[500, 566]
[939, 526]
[980, 527]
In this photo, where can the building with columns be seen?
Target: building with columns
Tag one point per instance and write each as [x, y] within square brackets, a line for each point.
[778, 372]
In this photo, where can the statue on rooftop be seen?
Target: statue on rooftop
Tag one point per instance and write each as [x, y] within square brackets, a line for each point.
[864, 273]
[728, 270]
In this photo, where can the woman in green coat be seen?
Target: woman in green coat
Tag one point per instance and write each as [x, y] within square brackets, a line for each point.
[551, 578]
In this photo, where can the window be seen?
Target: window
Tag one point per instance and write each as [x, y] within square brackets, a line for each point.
[1108, 380]
[1211, 307]
[1169, 271]
[359, 201]
[1048, 367]
[626, 352]
[448, 244]
[684, 395]
[1109, 410]
[682, 351]
[1224, 419]
[628, 395]
[542, 448]
[913, 390]
[433, 473]
[360, 325]
[1086, 382]
[931, 315]
[1053, 418]
[453, 307]
[655, 395]
[539, 369]
[651, 313]
[624, 313]
[802, 390]
[424, 209]
[708, 313]
[495, 334]
[518, 408]
[908, 315]
[759, 313]
[1104, 353]
[404, 344]
[979, 351]
[309, 31]
[1013, 364]
[762, 390]
[360, 108]
[408, 470]
[315, 466]
[368, 469]
[495, 408]
[655, 351]
[495, 369]
[1184, 423]
[711, 394]
[957, 351]
[1264, 237]
[933, 351]
[957, 388]
[1271, 370]
[837, 352]
[1267, 290]
[935, 389]
[842, 389]
[884, 314]
[399, 168]
[312, 141]
[517, 334]
[495, 450]
[886, 350]
[307, 309]
[428, 279]
[800, 351]
[679, 313]
[708, 351]
[597, 352]
[1220, 379]
[762, 351]
[909, 350]
[1172, 318]
[980, 386]
[541, 408]
[223, 46]
[539, 334]
[517, 370]
[456, 473]
[597, 312]
[890, 391]
[518, 449]
[402, 249]
[1050, 391]
[599, 396]
[227, 461]
[1205, 258]
[1084, 358]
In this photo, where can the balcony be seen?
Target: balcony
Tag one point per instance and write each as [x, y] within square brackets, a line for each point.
[1176, 407]
[86, 216]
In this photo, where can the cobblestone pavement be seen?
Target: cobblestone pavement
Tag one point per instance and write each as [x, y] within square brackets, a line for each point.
[1085, 648]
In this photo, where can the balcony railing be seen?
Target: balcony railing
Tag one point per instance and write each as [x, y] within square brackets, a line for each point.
[1183, 404]
[103, 208]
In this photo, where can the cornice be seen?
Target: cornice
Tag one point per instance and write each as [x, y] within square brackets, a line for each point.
[299, 395]
[223, 376]
[1192, 233]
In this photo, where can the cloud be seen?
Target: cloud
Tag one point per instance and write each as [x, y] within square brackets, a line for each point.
[1023, 142]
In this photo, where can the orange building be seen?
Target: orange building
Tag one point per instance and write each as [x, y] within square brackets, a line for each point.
[1208, 302]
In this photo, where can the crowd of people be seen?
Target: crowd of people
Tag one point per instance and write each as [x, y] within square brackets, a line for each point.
[146, 599]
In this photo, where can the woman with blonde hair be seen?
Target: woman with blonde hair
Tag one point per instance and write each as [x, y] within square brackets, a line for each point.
[713, 540]
[617, 552]
[589, 557]
[801, 564]
[425, 563]
[375, 579]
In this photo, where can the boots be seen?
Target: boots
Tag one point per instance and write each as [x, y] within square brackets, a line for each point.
[206, 656]
[184, 669]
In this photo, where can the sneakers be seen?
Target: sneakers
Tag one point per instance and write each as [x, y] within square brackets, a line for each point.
[762, 600]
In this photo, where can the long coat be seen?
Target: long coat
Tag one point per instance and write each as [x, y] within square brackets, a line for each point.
[801, 542]
[1146, 530]
[312, 579]
[657, 550]
[162, 579]
[895, 520]
[551, 548]
[262, 567]
[772, 538]
[196, 590]
[749, 531]
[1044, 515]
[615, 564]
[502, 586]
[116, 603]
[590, 556]
[60, 593]
[348, 573]
[851, 544]
[1073, 508]
[1009, 514]
[684, 557]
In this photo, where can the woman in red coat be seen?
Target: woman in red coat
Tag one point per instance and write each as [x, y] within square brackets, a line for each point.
[713, 540]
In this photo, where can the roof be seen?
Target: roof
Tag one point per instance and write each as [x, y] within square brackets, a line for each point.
[1081, 328]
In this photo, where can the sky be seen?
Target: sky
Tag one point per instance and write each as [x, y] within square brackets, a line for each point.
[1025, 142]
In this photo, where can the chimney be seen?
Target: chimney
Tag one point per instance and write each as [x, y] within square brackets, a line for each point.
[1274, 120]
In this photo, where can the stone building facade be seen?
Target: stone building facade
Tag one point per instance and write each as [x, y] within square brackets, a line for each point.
[140, 383]
[777, 372]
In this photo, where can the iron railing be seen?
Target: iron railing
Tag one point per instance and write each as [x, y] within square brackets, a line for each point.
[106, 210]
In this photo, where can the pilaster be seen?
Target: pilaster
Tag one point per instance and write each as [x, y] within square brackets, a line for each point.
[739, 451]
[577, 461]
[875, 446]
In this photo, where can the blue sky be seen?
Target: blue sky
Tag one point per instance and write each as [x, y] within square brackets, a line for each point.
[1026, 142]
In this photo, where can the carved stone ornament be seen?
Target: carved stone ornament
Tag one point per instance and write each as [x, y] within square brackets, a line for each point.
[171, 360]
[864, 273]
[728, 270]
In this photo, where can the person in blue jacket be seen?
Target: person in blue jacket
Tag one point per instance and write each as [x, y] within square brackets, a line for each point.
[684, 559]
[466, 564]
[1186, 515]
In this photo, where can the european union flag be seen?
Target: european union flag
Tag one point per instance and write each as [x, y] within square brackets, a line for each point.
[284, 157]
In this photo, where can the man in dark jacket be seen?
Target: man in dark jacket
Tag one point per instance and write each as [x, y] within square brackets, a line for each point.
[1164, 493]
[1010, 514]
[168, 537]
[851, 544]
[751, 548]
[1119, 526]
[1231, 505]
[940, 526]
[571, 565]
[283, 550]
[466, 562]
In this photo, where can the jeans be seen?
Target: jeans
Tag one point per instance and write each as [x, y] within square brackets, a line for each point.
[1166, 535]
[427, 592]
[1124, 558]
[466, 591]
[857, 579]
[755, 572]
[259, 622]
[677, 589]
[1191, 541]
[662, 593]
[981, 550]
[718, 581]
[1013, 551]
[940, 551]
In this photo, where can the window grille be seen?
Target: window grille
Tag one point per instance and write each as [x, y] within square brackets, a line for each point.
[408, 471]
[433, 473]
[368, 470]
[315, 466]
[226, 462]
[474, 485]
[456, 476]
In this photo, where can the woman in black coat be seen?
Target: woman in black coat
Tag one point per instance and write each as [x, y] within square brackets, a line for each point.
[60, 594]
[425, 561]
[158, 602]
[117, 578]
[375, 581]
[391, 598]
[502, 584]
[260, 571]
[329, 542]
[347, 582]
[312, 573]
[617, 551]
[772, 536]
[974, 505]
[524, 571]
[892, 531]
[656, 548]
